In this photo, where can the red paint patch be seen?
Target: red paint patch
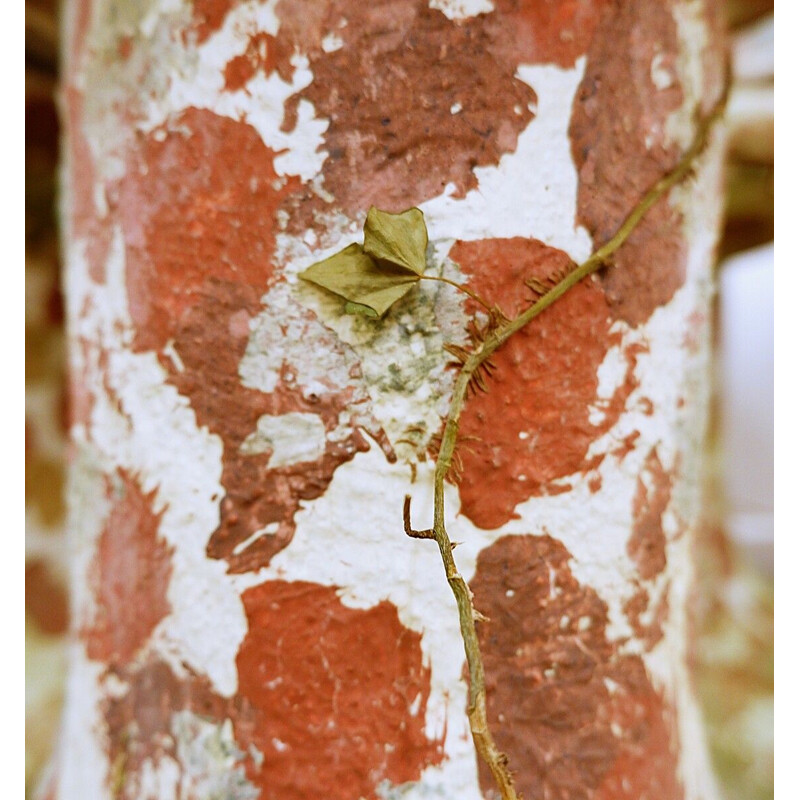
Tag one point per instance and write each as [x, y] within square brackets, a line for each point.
[197, 203]
[209, 15]
[620, 149]
[532, 427]
[388, 93]
[325, 694]
[130, 576]
[82, 16]
[139, 722]
[647, 543]
[547, 31]
[577, 719]
[331, 691]
[261, 55]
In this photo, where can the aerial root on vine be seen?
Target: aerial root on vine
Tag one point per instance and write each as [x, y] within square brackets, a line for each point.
[414, 534]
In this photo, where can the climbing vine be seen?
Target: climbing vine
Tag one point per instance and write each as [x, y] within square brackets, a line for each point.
[373, 276]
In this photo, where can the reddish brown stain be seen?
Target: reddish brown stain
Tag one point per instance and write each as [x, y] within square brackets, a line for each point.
[46, 598]
[652, 632]
[325, 694]
[130, 575]
[627, 445]
[80, 27]
[577, 719]
[125, 47]
[330, 689]
[543, 387]
[620, 149]
[388, 92]
[197, 203]
[647, 543]
[211, 342]
[546, 31]
[139, 721]
[208, 16]
[80, 399]
[261, 55]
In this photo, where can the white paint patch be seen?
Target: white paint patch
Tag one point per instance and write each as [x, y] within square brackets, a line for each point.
[159, 777]
[532, 191]
[331, 43]
[291, 438]
[610, 376]
[462, 9]
[660, 74]
[82, 762]
[693, 41]
[395, 369]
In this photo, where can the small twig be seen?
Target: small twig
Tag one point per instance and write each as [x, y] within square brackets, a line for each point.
[471, 363]
[461, 288]
[414, 534]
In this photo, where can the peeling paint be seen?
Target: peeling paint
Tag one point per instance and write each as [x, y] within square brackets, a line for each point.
[214, 155]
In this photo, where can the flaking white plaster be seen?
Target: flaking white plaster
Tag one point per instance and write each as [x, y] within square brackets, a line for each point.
[208, 756]
[352, 536]
[291, 438]
[532, 191]
[462, 9]
[148, 429]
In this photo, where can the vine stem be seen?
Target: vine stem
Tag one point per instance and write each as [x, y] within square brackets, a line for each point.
[467, 614]
[461, 288]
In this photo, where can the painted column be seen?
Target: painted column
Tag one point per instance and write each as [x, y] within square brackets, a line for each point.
[250, 620]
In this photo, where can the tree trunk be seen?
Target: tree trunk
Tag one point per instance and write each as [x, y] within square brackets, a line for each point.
[250, 619]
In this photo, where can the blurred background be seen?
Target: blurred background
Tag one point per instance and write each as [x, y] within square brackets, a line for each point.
[732, 661]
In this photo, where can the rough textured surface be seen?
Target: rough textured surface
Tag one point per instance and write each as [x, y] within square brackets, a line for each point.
[306, 715]
[415, 101]
[198, 206]
[577, 717]
[533, 427]
[363, 719]
[631, 68]
[293, 640]
[130, 577]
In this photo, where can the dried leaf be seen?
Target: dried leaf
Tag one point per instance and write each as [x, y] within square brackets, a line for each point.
[353, 275]
[360, 308]
[400, 239]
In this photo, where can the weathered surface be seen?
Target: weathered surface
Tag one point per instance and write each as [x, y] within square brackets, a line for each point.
[130, 577]
[253, 622]
[631, 68]
[534, 427]
[582, 718]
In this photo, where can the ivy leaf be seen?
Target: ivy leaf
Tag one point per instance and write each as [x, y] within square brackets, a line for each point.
[368, 288]
[400, 239]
